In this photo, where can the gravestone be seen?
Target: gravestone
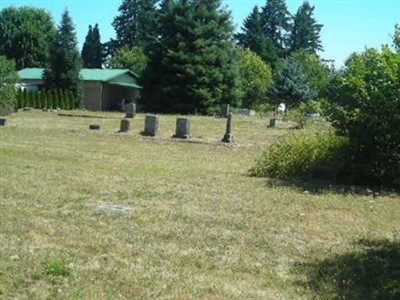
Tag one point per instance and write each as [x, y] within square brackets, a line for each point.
[125, 125]
[151, 125]
[130, 110]
[245, 112]
[94, 127]
[3, 122]
[273, 122]
[225, 110]
[182, 128]
[228, 137]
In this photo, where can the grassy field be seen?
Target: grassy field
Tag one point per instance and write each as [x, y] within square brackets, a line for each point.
[196, 226]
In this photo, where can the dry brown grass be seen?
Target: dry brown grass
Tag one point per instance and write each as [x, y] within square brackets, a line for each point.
[199, 229]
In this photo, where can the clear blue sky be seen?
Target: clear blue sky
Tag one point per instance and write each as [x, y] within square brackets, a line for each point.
[349, 25]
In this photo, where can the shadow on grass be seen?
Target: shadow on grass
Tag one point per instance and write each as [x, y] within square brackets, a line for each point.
[370, 271]
[323, 186]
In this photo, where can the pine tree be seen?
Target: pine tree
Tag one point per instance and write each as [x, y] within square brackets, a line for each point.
[252, 37]
[92, 52]
[275, 19]
[305, 35]
[135, 26]
[192, 67]
[63, 71]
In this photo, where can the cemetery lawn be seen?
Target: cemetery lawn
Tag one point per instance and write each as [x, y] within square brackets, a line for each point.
[198, 228]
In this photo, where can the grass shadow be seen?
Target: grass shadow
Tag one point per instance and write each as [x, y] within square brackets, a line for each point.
[370, 271]
[315, 186]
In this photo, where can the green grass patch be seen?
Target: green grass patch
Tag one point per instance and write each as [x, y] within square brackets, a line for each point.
[199, 228]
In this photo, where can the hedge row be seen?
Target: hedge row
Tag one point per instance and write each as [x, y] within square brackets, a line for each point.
[46, 99]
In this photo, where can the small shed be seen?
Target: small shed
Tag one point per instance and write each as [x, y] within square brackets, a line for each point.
[103, 89]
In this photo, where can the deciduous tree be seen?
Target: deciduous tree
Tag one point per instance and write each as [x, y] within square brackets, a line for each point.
[8, 78]
[256, 79]
[133, 59]
[26, 34]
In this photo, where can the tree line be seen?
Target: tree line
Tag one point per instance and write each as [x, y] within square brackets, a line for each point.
[187, 53]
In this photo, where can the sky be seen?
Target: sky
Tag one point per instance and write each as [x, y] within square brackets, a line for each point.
[348, 25]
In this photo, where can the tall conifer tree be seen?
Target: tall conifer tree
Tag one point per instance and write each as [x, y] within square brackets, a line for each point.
[92, 54]
[135, 26]
[305, 35]
[63, 70]
[252, 37]
[276, 19]
[192, 65]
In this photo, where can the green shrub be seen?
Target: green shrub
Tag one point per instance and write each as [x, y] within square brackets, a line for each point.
[71, 99]
[43, 96]
[366, 109]
[49, 99]
[8, 78]
[61, 103]
[297, 153]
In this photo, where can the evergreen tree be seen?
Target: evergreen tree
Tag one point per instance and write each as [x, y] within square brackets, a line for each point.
[135, 26]
[49, 99]
[275, 20]
[55, 99]
[71, 100]
[305, 35]
[63, 71]
[252, 37]
[92, 52]
[43, 95]
[192, 66]
[291, 83]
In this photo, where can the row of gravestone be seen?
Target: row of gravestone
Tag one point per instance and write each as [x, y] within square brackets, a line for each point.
[182, 127]
[130, 110]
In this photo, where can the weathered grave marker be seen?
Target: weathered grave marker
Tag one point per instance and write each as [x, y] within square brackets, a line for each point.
[130, 110]
[125, 125]
[246, 112]
[182, 128]
[273, 122]
[151, 125]
[225, 110]
[228, 137]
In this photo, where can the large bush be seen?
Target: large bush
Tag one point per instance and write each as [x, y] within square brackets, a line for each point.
[366, 109]
[296, 154]
[256, 78]
[8, 78]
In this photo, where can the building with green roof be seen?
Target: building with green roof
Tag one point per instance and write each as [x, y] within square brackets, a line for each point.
[103, 89]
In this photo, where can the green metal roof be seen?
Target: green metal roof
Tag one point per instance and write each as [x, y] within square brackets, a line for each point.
[31, 73]
[132, 85]
[86, 74]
